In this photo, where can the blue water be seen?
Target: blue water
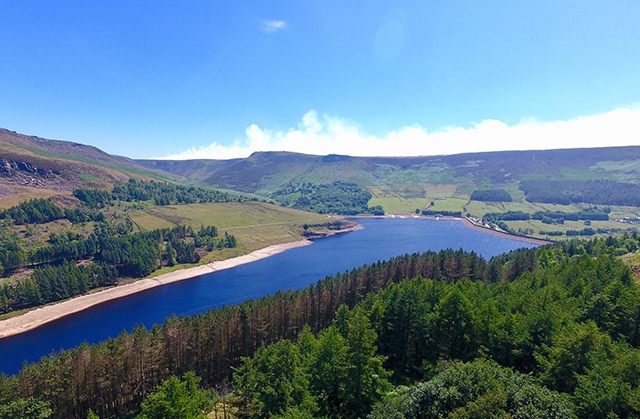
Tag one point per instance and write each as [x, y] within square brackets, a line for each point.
[296, 268]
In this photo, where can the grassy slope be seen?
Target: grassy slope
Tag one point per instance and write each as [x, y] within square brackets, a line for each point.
[254, 224]
[400, 185]
[399, 205]
[63, 153]
[13, 195]
[70, 165]
[267, 171]
[458, 201]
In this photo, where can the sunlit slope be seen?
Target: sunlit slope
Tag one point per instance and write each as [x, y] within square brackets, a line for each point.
[34, 162]
[265, 172]
[254, 224]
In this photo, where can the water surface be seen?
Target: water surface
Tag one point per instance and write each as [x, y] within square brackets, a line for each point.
[296, 268]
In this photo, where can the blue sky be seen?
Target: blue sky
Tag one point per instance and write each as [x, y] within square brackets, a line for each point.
[223, 79]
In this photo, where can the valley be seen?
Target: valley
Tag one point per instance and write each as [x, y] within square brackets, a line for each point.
[95, 249]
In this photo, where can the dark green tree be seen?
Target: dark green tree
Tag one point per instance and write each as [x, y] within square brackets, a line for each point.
[272, 382]
[171, 255]
[611, 386]
[572, 354]
[480, 389]
[366, 378]
[178, 399]
[30, 408]
[454, 326]
[329, 371]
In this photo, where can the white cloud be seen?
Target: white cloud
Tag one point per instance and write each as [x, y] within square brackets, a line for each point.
[270, 26]
[331, 135]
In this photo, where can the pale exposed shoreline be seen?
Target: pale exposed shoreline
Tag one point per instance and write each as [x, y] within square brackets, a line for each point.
[530, 240]
[49, 313]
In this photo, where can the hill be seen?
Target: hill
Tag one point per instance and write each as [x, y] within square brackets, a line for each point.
[266, 172]
[540, 193]
[555, 188]
[36, 167]
[194, 170]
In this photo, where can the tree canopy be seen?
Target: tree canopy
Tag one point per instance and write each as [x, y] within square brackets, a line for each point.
[546, 332]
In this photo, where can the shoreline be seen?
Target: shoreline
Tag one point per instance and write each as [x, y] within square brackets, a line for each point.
[524, 239]
[466, 222]
[49, 313]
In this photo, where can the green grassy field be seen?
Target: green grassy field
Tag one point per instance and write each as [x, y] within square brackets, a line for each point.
[448, 204]
[397, 205]
[91, 178]
[537, 226]
[404, 199]
[254, 224]
[442, 191]
[478, 208]
[622, 212]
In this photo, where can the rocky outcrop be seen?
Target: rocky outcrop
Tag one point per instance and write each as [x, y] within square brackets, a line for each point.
[23, 173]
[10, 167]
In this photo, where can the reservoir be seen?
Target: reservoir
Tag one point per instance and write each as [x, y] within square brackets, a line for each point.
[296, 268]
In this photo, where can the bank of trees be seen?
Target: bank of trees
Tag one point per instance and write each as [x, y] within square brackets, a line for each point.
[105, 255]
[331, 198]
[565, 192]
[337, 374]
[566, 316]
[16, 253]
[162, 193]
[112, 251]
[35, 211]
[478, 389]
[491, 195]
[55, 283]
[492, 217]
[40, 211]
[549, 217]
